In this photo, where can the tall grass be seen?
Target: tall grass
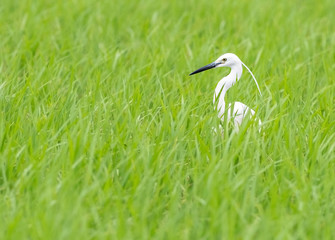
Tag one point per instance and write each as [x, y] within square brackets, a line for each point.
[104, 136]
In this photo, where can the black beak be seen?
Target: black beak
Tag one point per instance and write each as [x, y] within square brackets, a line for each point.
[204, 68]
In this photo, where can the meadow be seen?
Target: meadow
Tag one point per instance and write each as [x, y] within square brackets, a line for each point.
[103, 135]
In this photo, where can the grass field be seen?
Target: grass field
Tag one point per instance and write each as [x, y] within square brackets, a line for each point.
[103, 135]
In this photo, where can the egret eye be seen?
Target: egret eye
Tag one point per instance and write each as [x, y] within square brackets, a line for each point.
[224, 60]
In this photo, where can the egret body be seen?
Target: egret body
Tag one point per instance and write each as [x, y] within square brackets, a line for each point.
[237, 110]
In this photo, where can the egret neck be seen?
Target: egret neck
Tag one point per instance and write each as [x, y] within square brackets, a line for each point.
[223, 86]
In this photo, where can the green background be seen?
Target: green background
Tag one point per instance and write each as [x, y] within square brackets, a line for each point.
[103, 135]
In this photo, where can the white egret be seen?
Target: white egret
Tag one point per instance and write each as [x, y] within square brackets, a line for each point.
[237, 110]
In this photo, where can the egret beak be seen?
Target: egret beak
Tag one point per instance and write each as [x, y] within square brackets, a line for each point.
[204, 68]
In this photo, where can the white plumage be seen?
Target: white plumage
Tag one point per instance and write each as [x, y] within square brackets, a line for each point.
[237, 110]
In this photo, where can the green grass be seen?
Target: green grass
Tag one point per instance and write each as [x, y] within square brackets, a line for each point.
[103, 135]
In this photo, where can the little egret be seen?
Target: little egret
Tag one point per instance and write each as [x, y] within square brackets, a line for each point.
[237, 110]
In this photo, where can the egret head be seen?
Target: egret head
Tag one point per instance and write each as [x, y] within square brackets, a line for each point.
[225, 60]
[228, 60]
